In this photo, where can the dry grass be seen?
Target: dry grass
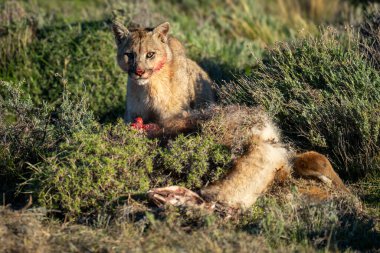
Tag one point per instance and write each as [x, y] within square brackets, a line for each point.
[243, 18]
[316, 11]
[22, 232]
[17, 30]
[283, 220]
[31, 232]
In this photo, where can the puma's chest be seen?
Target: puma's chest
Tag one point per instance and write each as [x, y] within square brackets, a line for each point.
[159, 97]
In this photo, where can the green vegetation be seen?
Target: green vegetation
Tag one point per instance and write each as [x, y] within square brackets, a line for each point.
[57, 46]
[72, 163]
[62, 140]
[91, 169]
[370, 37]
[29, 132]
[290, 226]
[324, 94]
[193, 161]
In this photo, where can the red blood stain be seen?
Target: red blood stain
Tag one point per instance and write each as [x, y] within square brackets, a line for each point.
[139, 125]
[139, 120]
[139, 71]
[160, 64]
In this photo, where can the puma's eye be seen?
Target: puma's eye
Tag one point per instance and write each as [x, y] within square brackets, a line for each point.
[150, 55]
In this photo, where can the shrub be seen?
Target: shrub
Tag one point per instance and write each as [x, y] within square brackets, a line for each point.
[72, 163]
[193, 161]
[92, 169]
[369, 31]
[28, 132]
[323, 93]
[83, 64]
[24, 130]
[335, 224]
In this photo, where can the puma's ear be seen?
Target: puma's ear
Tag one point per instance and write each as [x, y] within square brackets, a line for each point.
[120, 31]
[162, 30]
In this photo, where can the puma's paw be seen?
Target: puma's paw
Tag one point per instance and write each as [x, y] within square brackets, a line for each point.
[176, 196]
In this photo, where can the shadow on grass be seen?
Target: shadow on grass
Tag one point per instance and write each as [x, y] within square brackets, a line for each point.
[371, 199]
[219, 72]
[112, 115]
[354, 232]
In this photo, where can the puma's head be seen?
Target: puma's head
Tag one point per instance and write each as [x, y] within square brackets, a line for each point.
[142, 51]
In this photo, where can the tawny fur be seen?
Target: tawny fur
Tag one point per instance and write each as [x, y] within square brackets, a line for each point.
[251, 175]
[261, 155]
[258, 139]
[316, 165]
[166, 89]
[169, 84]
[252, 136]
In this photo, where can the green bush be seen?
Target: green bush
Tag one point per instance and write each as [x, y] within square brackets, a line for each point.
[28, 132]
[74, 164]
[94, 168]
[324, 94]
[79, 58]
[23, 130]
[335, 224]
[369, 31]
[193, 161]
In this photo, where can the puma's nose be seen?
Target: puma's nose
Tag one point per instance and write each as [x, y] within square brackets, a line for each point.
[139, 71]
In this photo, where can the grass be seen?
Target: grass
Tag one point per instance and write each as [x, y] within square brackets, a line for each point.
[62, 142]
[275, 223]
